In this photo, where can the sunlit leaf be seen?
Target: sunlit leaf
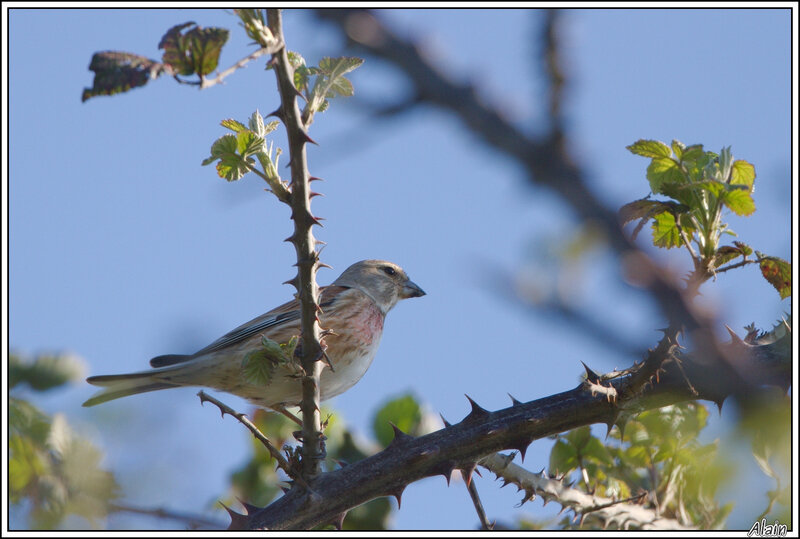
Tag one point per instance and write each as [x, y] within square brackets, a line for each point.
[778, 273]
[233, 125]
[743, 173]
[650, 148]
[563, 457]
[740, 201]
[663, 170]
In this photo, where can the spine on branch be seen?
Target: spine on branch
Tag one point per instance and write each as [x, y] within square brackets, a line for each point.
[307, 255]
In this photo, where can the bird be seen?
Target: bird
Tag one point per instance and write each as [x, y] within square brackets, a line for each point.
[353, 310]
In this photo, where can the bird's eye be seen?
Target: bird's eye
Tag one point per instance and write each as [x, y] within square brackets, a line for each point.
[388, 270]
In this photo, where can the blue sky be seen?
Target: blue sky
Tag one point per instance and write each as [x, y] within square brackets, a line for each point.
[123, 247]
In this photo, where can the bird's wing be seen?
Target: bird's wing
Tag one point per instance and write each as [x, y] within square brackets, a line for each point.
[283, 315]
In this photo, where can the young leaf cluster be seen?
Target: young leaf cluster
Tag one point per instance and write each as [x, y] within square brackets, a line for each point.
[660, 455]
[236, 154]
[700, 185]
[328, 81]
[258, 366]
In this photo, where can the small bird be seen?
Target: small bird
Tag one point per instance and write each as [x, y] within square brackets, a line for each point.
[353, 307]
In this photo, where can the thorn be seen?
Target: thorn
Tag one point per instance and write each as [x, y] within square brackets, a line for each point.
[238, 521]
[323, 265]
[315, 179]
[609, 426]
[590, 374]
[735, 339]
[312, 194]
[521, 446]
[466, 472]
[446, 422]
[249, 509]
[477, 412]
[446, 469]
[306, 138]
[278, 113]
[399, 436]
[398, 493]
[514, 402]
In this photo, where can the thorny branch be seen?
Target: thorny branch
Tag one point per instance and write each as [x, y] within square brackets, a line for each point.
[307, 255]
[481, 432]
[257, 434]
[611, 512]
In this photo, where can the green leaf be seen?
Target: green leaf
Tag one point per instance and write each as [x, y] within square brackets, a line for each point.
[563, 457]
[725, 254]
[645, 209]
[330, 81]
[175, 51]
[743, 173]
[692, 153]
[665, 231]
[233, 125]
[231, 165]
[205, 48]
[597, 451]
[778, 273]
[650, 148]
[663, 170]
[740, 201]
[579, 437]
[342, 87]
[194, 52]
[715, 187]
[403, 411]
[677, 148]
[116, 72]
[746, 249]
[248, 143]
[258, 366]
[336, 67]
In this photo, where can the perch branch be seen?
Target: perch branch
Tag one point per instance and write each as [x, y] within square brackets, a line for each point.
[307, 256]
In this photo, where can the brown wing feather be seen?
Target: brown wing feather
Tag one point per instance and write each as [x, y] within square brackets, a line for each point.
[278, 318]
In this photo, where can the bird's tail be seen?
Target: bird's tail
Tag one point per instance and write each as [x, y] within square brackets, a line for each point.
[121, 385]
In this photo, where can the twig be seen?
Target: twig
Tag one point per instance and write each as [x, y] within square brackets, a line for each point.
[621, 513]
[243, 419]
[208, 83]
[476, 501]
[734, 266]
[193, 521]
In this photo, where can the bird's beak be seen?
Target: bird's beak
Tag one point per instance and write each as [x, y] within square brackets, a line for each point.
[411, 290]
